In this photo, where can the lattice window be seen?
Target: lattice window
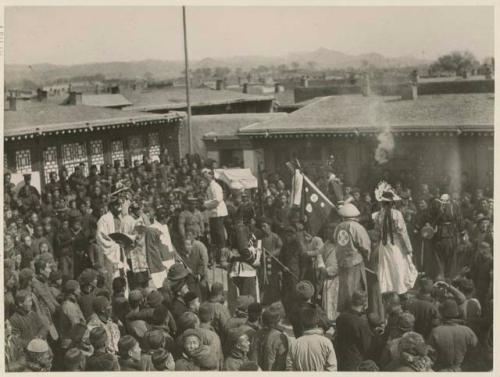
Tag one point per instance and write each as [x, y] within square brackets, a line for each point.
[117, 152]
[50, 163]
[136, 148]
[23, 161]
[5, 162]
[154, 146]
[73, 155]
[96, 153]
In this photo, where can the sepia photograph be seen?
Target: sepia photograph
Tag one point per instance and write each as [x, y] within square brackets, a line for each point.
[248, 188]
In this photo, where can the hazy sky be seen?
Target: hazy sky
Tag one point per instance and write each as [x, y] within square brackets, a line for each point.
[71, 35]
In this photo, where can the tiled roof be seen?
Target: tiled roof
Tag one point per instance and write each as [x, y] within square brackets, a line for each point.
[355, 113]
[227, 125]
[175, 98]
[105, 100]
[47, 118]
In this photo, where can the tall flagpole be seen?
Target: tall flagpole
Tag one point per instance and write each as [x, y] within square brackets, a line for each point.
[186, 66]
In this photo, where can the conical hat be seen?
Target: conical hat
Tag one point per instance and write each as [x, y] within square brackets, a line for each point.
[348, 210]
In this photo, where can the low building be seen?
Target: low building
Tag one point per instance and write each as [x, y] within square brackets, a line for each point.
[45, 137]
[427, 137]
[203, 101]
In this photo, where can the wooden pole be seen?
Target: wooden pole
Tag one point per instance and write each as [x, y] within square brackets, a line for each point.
[186, 67]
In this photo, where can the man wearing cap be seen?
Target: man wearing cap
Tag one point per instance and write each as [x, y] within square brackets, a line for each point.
[74, 360]
[88, 283]
[353, 336]
[451, 340]
[191, 219]
[102, 318]
[28, 194]
[115, 263]
[129, 353]
[240, 346]
[270, 344]
[25, 321]
[353, 247]
[217, 210]
[312, 351]
[102, 359]
[38, 356]
[70, 310]
[424, 308]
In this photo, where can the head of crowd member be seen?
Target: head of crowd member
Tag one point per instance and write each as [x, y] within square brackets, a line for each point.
[177, 275]
[413, 351]
[217, 293]
[102, 307]
[39, 355]
[115, 206]
[304, 291]
[254, 312]
[129, 348]
[24, 300]
[72, 289]
[208, 174]
[449, 310]
[135, 299]
[88, 280]
[289, 234]
[264, 224]
[98, 338]
[119, 286]
[154, 340]
[10, 279]
[242, 303]
[478, 195]
[160, 359]
[309, 318]
[27, 179]
[406, 322]
[154, 299]
[359, 301]
[192, 301]
[74, 360]
[271, 317]
[43, 268]
[26, 278]
[191, 341]
[188, 320]
[426, 287]
[205, 315]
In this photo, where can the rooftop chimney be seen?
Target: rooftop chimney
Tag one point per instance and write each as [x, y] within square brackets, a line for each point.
[13, 102]
[365, 86]
[245, 87]
[278, 87]
[41, 95]
[304, 81]
[410, 92]
[219, 84]
[75, 98]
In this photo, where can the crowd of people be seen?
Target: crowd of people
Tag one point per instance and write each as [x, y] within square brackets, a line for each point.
[110, 270]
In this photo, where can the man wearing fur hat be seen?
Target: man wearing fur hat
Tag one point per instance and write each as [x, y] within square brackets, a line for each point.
[353, 247]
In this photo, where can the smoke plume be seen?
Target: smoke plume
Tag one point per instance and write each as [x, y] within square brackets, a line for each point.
[385, 146]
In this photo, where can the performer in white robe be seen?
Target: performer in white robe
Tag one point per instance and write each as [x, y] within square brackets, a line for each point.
[115, 262]
[396, 271]
[168, 251]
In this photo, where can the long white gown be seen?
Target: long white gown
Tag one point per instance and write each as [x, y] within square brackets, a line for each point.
[396, 271]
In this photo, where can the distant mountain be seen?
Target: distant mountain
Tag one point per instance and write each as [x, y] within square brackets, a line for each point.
[321, 58]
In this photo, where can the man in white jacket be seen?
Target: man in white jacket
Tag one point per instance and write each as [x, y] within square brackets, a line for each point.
[217, 210]
[115, 263]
